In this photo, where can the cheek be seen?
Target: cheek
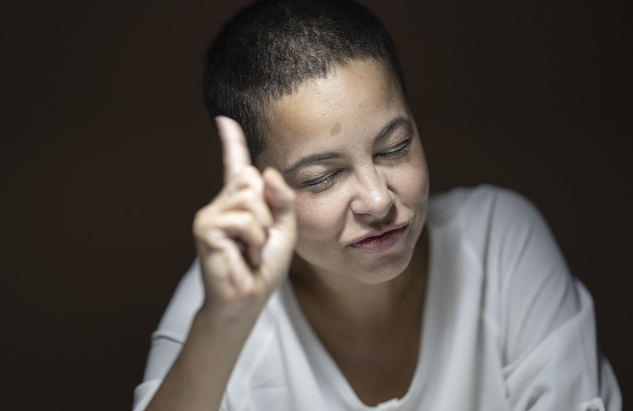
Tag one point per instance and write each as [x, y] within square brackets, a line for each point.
[411, 182]
[318, 218]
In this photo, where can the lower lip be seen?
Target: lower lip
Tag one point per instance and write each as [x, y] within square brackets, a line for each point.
[383, 242]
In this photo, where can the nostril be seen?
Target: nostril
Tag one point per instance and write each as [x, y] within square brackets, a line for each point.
[377, 204]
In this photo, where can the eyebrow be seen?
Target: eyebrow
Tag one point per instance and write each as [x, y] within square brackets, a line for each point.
[316, 158]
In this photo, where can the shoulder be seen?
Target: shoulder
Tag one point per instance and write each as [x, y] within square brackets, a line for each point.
[500, 232]
[483, 211]
[472, 201]
[183, 306]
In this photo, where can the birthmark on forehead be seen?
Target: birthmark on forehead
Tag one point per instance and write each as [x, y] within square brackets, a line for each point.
[336, 129]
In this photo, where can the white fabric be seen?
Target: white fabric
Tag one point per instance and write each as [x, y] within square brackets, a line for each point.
[505, 327]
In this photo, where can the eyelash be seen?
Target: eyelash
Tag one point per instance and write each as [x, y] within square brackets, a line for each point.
[398, 152]
[390, 154]
[322, 183]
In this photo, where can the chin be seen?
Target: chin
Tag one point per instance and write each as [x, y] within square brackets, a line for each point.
[383, 270]
[363, 267]
[376, 279]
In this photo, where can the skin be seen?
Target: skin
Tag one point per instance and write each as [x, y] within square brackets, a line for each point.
[366, 308]
[369, 185]
[245, 239]
[363, 306]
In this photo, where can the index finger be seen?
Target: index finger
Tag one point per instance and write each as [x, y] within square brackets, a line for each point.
[235, 155]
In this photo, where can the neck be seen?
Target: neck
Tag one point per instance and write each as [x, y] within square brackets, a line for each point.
[361, 304]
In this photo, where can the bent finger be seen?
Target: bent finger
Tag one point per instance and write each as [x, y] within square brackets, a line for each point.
[241, 225]
[248, 199]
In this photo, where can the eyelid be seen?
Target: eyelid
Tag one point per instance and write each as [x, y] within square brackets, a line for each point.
[398, 149]
[321, 183]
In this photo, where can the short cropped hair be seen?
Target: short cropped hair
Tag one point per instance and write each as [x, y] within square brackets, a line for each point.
[271, 46]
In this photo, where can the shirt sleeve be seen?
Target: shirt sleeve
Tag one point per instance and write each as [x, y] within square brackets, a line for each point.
[548, 336]
[168, 339]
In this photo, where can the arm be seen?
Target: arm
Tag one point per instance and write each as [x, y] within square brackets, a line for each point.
[245, 239]
[197, 379]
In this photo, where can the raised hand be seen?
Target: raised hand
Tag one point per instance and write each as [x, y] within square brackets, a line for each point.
[246, 236]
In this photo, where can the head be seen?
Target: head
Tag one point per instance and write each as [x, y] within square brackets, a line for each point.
[269, 48]
[318, 89]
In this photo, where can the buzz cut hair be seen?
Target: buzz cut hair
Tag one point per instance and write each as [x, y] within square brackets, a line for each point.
[271, 46]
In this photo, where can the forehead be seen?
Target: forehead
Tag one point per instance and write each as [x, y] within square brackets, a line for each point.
[333, 112]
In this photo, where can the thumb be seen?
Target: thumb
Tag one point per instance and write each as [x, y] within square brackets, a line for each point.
[280, 198]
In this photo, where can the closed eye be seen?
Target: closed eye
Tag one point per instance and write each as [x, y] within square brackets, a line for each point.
[323, 183]
[400, 150]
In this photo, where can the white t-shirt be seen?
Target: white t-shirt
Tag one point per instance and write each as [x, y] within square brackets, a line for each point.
[505, 327]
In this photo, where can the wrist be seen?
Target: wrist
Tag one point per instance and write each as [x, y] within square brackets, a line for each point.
[228, 315]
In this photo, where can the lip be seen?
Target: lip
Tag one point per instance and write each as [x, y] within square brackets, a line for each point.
[379, 240]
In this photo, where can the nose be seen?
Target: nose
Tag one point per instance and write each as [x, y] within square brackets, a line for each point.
[372, 195]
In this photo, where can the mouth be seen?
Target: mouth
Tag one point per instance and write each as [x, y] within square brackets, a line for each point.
[379, 241]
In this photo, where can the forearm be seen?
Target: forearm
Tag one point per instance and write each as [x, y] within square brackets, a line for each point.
[245, 239]
[199, 376]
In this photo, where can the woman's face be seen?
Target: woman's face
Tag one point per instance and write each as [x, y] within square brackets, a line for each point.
[349, 147]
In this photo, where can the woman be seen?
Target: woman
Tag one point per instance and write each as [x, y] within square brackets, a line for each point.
[327, 279]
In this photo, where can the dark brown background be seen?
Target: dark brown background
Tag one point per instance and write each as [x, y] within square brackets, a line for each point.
[107, 153]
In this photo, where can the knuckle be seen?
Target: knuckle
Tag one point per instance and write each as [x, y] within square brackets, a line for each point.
[204, 214]
[205, 235]
[212, 239]
[268, 219]
[199, 228]
[292, 196]
[260, 238]
[250, 196]
[253, 226]
[198, 219]
[245, 221]
[251, 170]
[252, 176]
[249, 176]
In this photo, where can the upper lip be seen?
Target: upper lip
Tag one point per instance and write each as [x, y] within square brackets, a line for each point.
[376, 233]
